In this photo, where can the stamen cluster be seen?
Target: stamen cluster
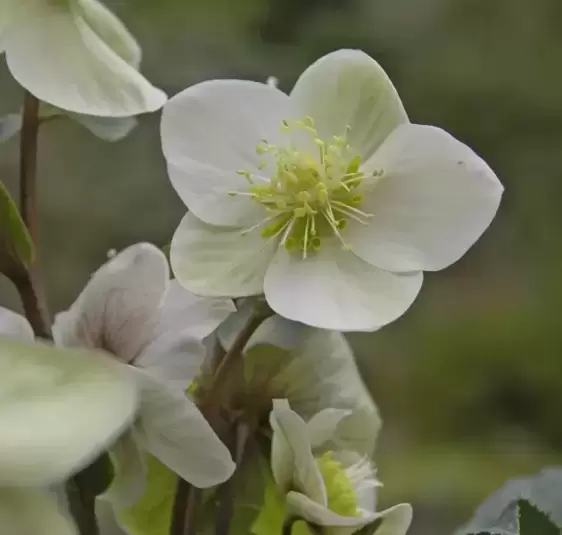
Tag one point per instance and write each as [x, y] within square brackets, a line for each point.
[312, 194]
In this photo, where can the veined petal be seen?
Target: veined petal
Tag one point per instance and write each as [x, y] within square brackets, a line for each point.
[290, 443]
[393, 521]
[334, 289]
[171, 428]
[176, 351]
[219, 261]
[32, 511]
[43, 389]
[116, 309]
[110, 30]
[129, 483]
[15, 326]
[348, 88]
[94, 79]
[322, 426]
[435, 200]
[321, 372]
[209, 132]
[275, 330]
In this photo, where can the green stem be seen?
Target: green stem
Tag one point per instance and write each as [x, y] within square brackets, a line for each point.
[209, 406]
[81, 501]
[226, 506]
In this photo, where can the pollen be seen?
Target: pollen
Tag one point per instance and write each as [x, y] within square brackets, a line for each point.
[342, 498]
[311, 194]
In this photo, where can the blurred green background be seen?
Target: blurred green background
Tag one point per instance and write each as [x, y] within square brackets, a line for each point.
[469, 382]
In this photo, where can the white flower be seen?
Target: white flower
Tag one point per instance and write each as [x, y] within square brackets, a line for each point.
[59, 409]
[133, 311]
[335, 490]
[313, 368]
[76, 55]
[328, 201]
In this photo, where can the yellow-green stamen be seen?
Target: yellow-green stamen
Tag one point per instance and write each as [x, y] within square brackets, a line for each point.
[342, 498]
[309, 198]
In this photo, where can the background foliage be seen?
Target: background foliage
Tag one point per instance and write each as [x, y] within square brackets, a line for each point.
[470, 381]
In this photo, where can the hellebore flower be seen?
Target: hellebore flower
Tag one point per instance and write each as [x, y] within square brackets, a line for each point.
[328, 200]
[76, 55]
[333, 490]
[59, 409]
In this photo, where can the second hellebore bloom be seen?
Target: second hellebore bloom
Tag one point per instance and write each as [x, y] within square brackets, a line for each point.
[155, 328]
[328, 200]
[335, 490]
[76, 55]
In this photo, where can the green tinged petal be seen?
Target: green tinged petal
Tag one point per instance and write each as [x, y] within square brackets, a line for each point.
[152, 513]
[32, 512]
[42, 389]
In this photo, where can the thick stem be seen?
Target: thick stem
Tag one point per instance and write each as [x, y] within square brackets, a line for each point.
[28, 203]
[81, 505]
[33, 307]
[81, 501]
[186, 506]
[226, 506]
[209, 406]
[211, 398]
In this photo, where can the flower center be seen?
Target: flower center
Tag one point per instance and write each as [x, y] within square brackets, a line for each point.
[342, 498]
[311, 195]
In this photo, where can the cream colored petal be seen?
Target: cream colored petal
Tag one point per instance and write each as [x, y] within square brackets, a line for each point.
[15, 326]
[348, 88]
[116, 311]
[60, 57]
[32, 512]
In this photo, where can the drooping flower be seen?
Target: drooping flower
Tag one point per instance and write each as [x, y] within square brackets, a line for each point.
[156, 329]
[328, 201]
[313, 368]
[333, 490]
[76, 55]
[59, 408]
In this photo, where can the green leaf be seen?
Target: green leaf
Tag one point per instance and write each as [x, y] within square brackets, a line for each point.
[499, 514]
[151, 515]
[533, 521]
[65, 405]
[16, 246]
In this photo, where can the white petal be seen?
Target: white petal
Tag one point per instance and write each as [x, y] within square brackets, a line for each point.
[348, 88]
[32, 512]
[210, 131]
[110, 30]
[291, 443]
[219, 261]
[322, 426]
[303, 506]
[171, 428]
[176, 351]
[129, 482]
[395, 520]
[15, 326]
[335, 289]
[116, 309]
[275, 331]
[321, 372]
[60, 408]
[107, 128]
[434, 201]
[94, 79]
